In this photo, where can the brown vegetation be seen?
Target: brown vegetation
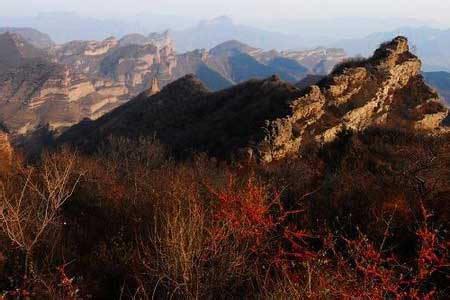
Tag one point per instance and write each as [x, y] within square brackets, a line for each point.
[364, 217]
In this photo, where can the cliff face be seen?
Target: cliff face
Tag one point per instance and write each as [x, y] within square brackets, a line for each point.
[270, 119]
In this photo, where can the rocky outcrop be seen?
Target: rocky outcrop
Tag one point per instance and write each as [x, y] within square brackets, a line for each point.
[387, 89]
[270, 119]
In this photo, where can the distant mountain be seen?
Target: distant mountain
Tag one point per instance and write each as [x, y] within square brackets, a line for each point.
[236, 62]
[208, 34]
[270, 119]
[432, 45]
[36, 38]
[441, 82]
[327, 30]
[66, 26]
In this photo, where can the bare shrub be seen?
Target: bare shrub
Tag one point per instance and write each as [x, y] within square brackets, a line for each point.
[28, 215]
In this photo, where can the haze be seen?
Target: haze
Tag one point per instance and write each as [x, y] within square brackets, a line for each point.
[430, 10]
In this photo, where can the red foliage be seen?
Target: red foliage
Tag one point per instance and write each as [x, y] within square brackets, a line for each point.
[248, 217]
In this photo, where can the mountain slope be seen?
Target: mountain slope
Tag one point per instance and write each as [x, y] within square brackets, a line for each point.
[186, 116]
[269, 119]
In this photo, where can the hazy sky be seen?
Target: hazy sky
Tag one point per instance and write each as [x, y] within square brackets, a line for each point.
[436, 10]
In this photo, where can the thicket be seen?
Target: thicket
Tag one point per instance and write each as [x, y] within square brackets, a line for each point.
[364, 217]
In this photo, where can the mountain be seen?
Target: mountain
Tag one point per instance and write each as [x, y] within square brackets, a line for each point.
[196, 62]
[36, 38]
[208, 34]
[236, 62]
[432, 45]
[270, 119]
[239, 62]
[441, 82]
[57, 87]
[54, 88]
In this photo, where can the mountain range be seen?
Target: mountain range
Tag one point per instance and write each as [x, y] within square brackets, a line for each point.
[58, 85]
[271, 119]
[189, 34]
